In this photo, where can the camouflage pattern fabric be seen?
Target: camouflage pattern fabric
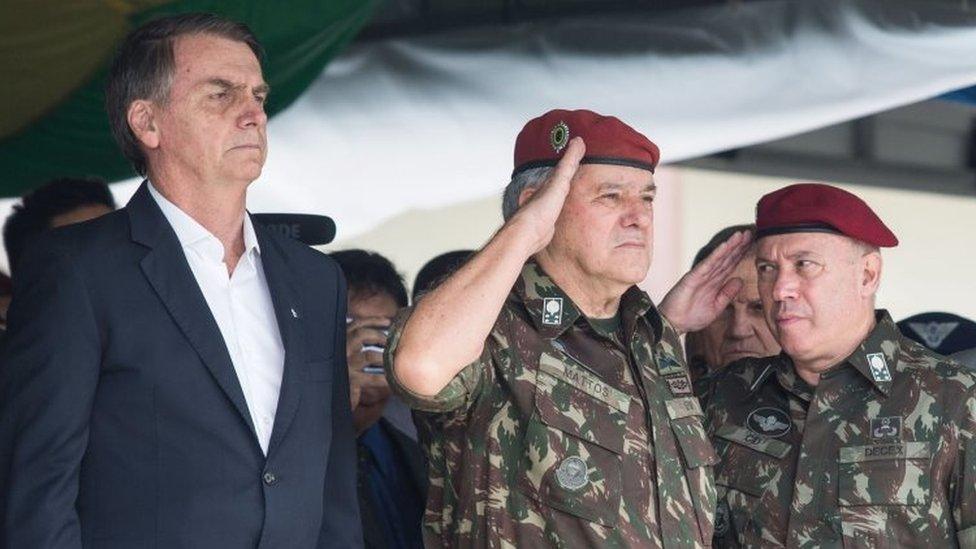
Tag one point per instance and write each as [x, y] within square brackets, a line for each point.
[560, 437]
[880, 453]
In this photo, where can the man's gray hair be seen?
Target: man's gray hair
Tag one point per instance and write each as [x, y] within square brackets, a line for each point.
[528, 179]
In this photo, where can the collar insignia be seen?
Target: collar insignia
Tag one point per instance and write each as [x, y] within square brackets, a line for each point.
[879, 367]
[552, 311]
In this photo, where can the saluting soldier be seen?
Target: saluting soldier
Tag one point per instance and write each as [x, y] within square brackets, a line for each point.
[553, 397]
[854, 436]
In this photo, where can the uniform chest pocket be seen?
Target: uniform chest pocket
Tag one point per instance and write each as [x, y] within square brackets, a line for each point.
[884, 474]
[750, 462]
[686, 423]
[574, 443]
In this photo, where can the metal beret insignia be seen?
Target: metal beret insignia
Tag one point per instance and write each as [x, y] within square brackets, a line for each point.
[559, 136]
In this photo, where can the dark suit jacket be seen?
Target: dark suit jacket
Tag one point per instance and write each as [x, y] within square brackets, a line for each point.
[123, 423]
[374, 534]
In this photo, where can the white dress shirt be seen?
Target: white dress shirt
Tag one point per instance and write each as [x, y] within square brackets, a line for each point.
[241, 305]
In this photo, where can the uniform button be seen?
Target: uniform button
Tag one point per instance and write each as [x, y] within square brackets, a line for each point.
[270, 478]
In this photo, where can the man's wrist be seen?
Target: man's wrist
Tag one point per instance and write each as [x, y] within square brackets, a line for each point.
[519, 236]
[669, 318]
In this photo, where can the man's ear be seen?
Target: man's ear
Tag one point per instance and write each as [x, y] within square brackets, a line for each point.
[871, 265]
[526, 194]
[141, 119]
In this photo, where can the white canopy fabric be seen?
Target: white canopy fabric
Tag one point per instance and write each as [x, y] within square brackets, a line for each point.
[429, 121]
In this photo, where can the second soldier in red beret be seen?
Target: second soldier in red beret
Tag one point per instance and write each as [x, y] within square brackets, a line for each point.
[555, 396]
[854, 436]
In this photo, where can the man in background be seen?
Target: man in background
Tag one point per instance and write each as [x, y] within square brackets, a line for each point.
[57, 203]
[391, 470]
[437, 269]
[740, 330]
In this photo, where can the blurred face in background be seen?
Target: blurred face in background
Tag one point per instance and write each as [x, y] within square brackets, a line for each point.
[369, 317]
[740, 331]
[364, 305]
[79, 214]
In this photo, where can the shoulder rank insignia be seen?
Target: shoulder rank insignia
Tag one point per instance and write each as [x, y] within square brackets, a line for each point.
[879, 367]
[552, 311]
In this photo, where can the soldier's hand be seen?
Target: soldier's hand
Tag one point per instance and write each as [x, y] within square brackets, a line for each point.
[706, 290]
[538, 215]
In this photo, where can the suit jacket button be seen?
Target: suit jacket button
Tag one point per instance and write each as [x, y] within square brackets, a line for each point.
[270, 478]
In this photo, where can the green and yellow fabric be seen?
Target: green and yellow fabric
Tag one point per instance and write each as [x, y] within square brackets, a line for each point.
[54, 56]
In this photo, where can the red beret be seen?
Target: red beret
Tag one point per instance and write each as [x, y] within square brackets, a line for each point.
[814, 207]
[608, 141]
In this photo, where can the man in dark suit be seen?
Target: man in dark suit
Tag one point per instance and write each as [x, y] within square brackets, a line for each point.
[174, 375]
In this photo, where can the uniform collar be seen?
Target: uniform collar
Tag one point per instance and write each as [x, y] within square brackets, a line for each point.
[552, 311]
[777, 369]
[877, 357]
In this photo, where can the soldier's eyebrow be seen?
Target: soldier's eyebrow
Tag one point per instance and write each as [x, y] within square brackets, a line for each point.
[609, 186]
[803, 254]
[800, 254]
[616, 186]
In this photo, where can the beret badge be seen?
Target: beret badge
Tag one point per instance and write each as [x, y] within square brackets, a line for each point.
[559, 136]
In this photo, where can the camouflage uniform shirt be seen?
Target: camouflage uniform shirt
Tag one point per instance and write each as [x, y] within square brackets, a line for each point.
[560, 437]
[880, 453]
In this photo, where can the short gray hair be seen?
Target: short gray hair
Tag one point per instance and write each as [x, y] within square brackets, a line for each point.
[527, 179]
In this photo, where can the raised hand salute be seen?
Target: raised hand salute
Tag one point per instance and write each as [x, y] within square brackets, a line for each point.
[448, 328]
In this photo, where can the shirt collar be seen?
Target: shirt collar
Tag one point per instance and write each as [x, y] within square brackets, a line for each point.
[192, 234]
[552, 311]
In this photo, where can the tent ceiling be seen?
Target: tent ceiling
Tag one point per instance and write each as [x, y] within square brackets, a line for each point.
[411, 17]
[397, 18]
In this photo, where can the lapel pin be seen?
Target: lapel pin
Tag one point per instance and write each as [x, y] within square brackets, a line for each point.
[294, 313]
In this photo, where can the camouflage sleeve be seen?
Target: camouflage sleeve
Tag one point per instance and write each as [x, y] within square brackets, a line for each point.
[459, 394]
[964, 500]
[671, 337]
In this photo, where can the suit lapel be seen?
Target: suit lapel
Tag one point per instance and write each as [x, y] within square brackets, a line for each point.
[167, 270]
[284, 296]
